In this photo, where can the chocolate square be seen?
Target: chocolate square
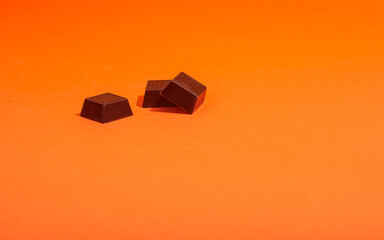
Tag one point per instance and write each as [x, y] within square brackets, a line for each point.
[105, 108]
[185, 92]
[152, 97]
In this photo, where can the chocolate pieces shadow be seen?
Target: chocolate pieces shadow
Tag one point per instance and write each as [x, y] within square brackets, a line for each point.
[169, 110]
[140, 100]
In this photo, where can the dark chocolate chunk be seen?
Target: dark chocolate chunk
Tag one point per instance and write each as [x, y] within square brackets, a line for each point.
[185, 92]
[106, 107]
[152, 97]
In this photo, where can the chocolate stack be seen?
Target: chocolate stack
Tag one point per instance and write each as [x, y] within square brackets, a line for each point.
[183, 91]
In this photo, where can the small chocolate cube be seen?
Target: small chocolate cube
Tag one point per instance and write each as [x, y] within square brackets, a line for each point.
[105, 108]
[152, 97]
[185, 92]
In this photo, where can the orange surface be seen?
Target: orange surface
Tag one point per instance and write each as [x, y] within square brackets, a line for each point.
[288, 144]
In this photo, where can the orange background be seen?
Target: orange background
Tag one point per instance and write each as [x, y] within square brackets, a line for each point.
[288, 144]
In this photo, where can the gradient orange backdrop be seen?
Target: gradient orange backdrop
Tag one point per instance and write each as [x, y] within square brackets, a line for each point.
[288, 144]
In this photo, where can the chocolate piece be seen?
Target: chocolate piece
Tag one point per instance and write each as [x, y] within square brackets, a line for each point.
[152, 97]
[185, 92]
[106, 107]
